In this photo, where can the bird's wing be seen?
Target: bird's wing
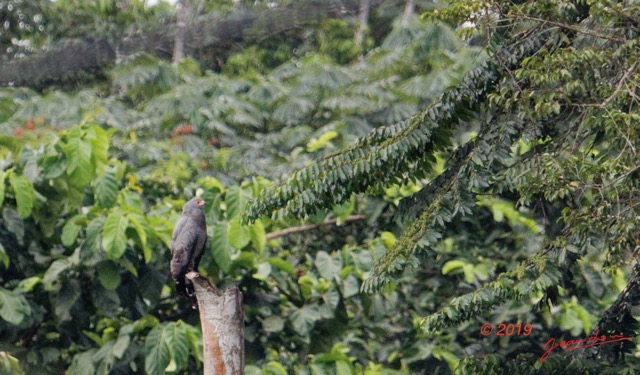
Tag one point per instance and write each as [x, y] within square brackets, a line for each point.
[178, 227]
[184, 239]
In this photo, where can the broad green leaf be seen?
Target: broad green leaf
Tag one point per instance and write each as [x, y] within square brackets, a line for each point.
[452, 265]
[343, 368]
[82, 363]
[109, 275]
[351, 286]
[124, 338]
[114, 238]
[24, 194]
[29, 283]
[221, 249]
[282, 265]
[4, 257]
[51, 278]
[9, 365]
[66, 298]
[100, 146]
[263, 270]
[156, 352]
[329, 267]
[236, 199]
[92, 240]
[106, 189]
[121, 345]
[3, 176]
[275, 368]
[140, 225]
[13, 308]
[273, 324]
[70, 233]
[79, 169]
[239, 235]
[177, 341]
[258, 236]
[54, 166]
[304, 319]
[194, 336]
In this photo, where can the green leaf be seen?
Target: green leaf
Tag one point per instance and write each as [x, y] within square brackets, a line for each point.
[239, 235]
[304, 319]
[273, 324]
[100, 146]
[13, 222]
[79, 169]
[106, 189]
[282, 265]
[53, 166]
[9, 365]
[324, 141]
[157, 355]
[24, 194]
[70, 232]
[258, 236]
[452, 265]
[114, 238]
[109, 275]
[140, 226]
[3, 176]
[343, 368]
[65, 299]
[13, 308]
[51, 278]
[178, 343]
[82, 363]
[221, 249]
[328, 267]
[29, 283]
[4, 257]
[121, 345]
[236, 199]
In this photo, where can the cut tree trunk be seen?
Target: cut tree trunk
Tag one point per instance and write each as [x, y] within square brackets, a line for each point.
[222, 321]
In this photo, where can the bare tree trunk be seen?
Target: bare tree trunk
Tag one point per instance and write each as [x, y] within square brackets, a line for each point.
[222, 321]
[178, 46]
[363, 20]
[409, 8]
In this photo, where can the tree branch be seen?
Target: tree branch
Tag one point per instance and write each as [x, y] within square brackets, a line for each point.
[306, 227]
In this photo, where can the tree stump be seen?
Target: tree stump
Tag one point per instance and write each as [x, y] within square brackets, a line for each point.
[222, 321]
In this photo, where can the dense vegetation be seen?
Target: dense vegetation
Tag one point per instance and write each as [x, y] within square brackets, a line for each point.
[382, 179]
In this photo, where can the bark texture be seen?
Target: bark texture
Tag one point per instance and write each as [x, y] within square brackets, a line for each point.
[222, 320]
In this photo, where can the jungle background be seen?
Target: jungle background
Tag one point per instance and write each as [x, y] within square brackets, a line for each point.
[382, 179]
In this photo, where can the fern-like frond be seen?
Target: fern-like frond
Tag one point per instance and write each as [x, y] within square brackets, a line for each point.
[387, 154]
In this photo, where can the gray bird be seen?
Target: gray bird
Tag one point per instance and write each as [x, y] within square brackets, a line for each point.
[187, 246]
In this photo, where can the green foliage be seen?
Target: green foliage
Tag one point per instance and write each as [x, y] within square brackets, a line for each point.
[495, 186]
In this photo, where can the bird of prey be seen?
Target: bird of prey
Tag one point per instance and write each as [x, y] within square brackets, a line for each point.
[187, 246]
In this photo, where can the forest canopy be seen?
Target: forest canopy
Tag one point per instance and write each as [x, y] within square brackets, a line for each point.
[396, 187]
